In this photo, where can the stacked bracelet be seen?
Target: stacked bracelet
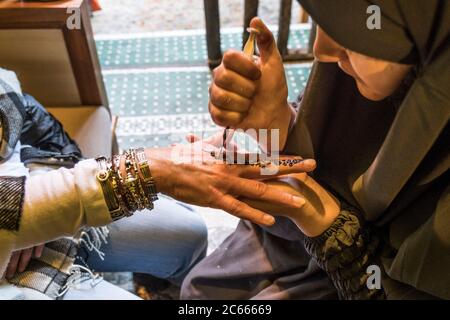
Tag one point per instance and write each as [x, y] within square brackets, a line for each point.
[104, 177]
[136, 190]
[149, 187]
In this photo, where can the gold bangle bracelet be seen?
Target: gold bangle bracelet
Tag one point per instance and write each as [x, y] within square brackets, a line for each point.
[144, 170]
[144, 200]
[126, 194]
[104, 178]
[117, 186]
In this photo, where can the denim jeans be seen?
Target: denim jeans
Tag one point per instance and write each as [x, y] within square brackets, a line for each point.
[165, 242]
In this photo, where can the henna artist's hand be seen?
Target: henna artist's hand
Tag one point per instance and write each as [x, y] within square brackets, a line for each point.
[318, 213]
[20, 259]
[210, 183]
[246, 94]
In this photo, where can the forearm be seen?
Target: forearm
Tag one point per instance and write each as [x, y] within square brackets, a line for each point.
[336, 236]
[162, 168]
[344, 251]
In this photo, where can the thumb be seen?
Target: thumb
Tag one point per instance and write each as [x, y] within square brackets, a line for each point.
[191, 138]
[265, 40]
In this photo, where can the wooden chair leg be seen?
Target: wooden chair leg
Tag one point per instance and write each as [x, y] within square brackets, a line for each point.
[212, 21]
[283, 26]
[250, 11]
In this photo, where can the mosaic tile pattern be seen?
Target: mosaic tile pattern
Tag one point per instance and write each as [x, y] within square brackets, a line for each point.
[172, 50]
[160, 108]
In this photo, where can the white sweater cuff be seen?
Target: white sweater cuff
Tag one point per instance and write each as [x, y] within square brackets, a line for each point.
[91, 195]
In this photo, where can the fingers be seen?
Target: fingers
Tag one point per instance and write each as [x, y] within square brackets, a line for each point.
[20, 259]
[25, 259]
[306, 165]
[210, 144]
[227, 100]
[238, 62]
[214, 139]
[244, 211]
[261, 191]
[12, 266]
[271, 170]
[38, 250]
[225, 118]
[233, 88]
[191, 138]
[231, 81]
[227, 108]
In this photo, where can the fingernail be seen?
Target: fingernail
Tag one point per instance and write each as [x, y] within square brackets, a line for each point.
[268, 220]
[309, 162]
[299, 202]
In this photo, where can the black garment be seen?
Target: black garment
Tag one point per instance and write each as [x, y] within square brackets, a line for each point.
[43, 138]
[394, 167]
[255, 264]
[411, 31]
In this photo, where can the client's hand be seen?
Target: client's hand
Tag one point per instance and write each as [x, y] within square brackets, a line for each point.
[216, 141]
[205, 181]
[20, 259]
[319, 211]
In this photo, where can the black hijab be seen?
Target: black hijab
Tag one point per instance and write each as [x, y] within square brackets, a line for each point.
[389, 158]
[412, 31]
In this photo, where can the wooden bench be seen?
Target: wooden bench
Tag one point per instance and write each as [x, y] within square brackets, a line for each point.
[59, 67]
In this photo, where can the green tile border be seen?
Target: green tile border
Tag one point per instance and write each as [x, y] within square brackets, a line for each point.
[172, 50]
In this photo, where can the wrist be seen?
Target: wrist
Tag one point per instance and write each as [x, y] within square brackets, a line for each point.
[284, 116]
[160, 168]
[313, 223]
[127, 183]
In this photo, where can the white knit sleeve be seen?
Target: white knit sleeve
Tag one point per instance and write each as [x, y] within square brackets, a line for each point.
[56, 204]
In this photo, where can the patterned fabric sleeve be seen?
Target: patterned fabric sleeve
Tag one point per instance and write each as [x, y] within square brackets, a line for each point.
[344, 251]
[11, 202]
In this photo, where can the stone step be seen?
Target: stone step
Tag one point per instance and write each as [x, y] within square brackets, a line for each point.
[175, 48]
